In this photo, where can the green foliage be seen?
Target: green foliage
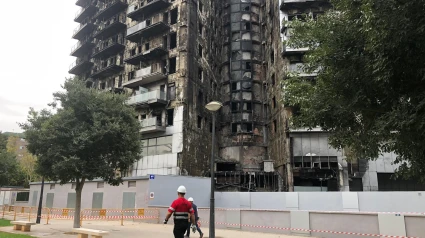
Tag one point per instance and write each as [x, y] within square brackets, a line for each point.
[10, 174]
[3, 141]
[370, 91]
[93, 134]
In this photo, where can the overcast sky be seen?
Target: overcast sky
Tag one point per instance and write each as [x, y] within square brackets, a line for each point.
[35, 45]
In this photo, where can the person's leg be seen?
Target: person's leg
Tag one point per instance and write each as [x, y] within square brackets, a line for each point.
[179, 229]
[199, 229]
[188, 230]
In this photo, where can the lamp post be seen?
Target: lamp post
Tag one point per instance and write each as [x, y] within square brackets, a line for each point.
[40, 203]
[212, 107]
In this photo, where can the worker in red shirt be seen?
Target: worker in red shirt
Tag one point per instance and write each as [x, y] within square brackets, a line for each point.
[182, 210]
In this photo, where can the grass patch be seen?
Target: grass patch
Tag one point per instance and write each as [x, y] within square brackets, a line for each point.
[9, 235]
[4, 222]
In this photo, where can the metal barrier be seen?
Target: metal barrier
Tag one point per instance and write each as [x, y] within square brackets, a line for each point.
[24, 213]
[62, 213]
[141, 214]
[120, 215]
[86, 214]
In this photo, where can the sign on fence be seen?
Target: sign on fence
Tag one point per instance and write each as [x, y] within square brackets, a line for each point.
[102, 212]
[65, 212]
[140, 212]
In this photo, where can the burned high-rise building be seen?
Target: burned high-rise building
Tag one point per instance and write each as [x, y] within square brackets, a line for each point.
[175, 56]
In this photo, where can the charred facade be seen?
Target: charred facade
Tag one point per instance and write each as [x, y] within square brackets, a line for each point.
[175, 56]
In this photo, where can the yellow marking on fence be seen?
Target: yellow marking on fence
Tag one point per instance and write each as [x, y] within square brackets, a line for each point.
[102, 212]
[65, 212]
[140, 212]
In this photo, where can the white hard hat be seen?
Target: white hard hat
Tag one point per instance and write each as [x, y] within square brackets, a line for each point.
[190, 199]
[181, 189]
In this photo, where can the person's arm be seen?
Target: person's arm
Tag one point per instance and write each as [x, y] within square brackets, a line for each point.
[192, 214]
[168, 215]
[171, 209]
[196, 213]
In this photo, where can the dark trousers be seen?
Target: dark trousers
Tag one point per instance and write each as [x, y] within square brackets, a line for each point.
[180, 227]
[197, 228]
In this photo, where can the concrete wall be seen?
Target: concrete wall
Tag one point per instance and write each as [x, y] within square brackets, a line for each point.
[112, 195]
[331, 201]
[165, 189]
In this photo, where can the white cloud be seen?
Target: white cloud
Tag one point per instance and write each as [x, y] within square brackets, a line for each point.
[35, 45]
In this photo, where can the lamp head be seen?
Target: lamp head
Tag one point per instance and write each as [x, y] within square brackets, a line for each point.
[213, 106]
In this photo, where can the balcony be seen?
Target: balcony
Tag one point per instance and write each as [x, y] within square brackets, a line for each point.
[83, 30]
[145, 29]
[80, 66]
[137, 12]
[146, 75]
[106, 68]
[298, 69]
[110, 27]
[152, 98]
[150, 125]
[287, 5]
[82, 47]
[107, 10]
[84, 13]
[82, 3]
[109, 47]
[135, 57]
[292, 51]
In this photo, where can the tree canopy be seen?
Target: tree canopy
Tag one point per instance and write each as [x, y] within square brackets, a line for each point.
[10, 174]
[370, 90]
[94, 134]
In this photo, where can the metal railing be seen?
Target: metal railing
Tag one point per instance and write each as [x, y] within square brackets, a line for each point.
[79, 12]
[298, 68]
[30, 213]
[81, 42]
[153, 121]
[101, 45]
[82, 25]
[102, 64]
[138, 50]
[78, 61]
[137, 26]
[147, 96]
[105, 24]
[103, 6]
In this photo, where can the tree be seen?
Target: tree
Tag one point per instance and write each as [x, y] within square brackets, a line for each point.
[370, 90]
[94, 134]
[9, 170]
[12, 144]
[26, 163]
[3, 141]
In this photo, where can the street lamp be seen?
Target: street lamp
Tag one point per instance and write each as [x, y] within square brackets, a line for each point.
[40, 203]
[212, 107]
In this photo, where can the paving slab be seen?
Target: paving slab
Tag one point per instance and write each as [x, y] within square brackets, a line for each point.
[63, 229]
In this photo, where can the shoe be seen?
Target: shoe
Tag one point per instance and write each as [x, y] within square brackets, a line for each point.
[202, 235]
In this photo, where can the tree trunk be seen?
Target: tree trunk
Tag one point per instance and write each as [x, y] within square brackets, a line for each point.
[78, 190]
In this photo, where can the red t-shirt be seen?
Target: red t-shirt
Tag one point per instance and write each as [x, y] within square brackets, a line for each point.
[181, 208]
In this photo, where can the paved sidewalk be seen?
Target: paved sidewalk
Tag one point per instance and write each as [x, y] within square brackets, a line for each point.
[60, 228]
